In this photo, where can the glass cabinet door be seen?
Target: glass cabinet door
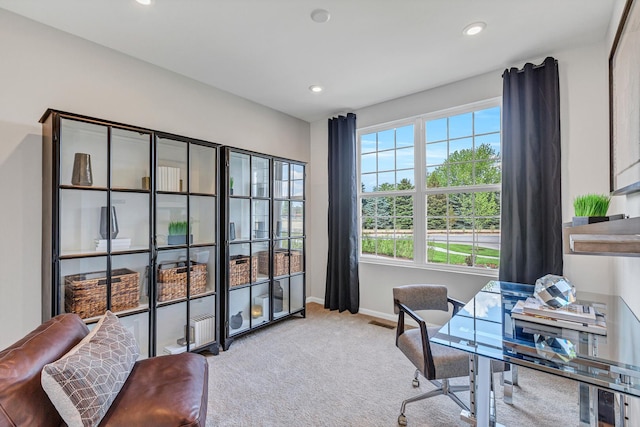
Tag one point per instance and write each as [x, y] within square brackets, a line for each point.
[104, 223]
[186, 235]
[288, 252]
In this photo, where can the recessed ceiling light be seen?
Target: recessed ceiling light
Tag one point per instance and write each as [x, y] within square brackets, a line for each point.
[320, 16]
[144, 2]
[316, 88]
[473, 29]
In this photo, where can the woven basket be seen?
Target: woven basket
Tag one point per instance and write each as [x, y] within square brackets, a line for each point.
[239, 270]
[86, 294]
[263, 262]
[282, 259]
[295, 259]
[172, 280]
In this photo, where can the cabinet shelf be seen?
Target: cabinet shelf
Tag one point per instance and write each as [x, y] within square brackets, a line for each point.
[83, 188]
[613, 238]
[142, 308]
[81, 254]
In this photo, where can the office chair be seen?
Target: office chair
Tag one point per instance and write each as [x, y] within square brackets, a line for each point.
[435, 362]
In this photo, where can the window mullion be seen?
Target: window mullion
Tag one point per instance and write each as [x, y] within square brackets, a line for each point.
[419, 211]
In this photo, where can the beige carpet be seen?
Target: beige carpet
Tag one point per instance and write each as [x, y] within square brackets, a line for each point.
[337, 369]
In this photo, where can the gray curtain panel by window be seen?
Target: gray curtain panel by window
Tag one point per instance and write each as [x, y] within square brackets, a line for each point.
[531, 224]
[342, 288]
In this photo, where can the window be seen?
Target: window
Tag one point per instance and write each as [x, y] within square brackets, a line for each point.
[387, 168]
[452, 216]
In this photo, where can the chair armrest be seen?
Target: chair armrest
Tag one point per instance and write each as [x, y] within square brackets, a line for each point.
[428, 369]
[404, 309]
[457, 305]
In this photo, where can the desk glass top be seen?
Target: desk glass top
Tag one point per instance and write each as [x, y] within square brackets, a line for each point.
[485, 327]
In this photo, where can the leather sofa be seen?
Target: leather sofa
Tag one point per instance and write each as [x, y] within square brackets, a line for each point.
[161, 391]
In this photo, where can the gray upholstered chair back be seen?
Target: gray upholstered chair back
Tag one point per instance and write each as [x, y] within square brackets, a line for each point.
[421, 297]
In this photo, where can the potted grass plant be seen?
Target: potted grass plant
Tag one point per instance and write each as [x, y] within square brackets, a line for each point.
[178, 233]
[591, 208]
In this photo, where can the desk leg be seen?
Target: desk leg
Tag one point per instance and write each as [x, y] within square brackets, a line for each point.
[509, 379]
[479, 393]
[598, 408]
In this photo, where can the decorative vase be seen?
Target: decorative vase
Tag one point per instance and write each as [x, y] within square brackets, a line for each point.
[179, 239]
[104, 229]
[236, 320]
[260, 230]
[584, 220]
[82, 174]
[278, 296]
[232, 231]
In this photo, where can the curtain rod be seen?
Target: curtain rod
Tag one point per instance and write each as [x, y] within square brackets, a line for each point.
[534, 66]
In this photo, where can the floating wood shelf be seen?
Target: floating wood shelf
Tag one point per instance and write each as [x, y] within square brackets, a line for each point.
[616, 238]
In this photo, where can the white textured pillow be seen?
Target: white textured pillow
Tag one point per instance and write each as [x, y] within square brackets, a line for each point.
[83, 383]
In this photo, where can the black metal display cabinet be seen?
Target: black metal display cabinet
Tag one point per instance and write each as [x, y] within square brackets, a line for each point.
[263, 250]
[130, 225]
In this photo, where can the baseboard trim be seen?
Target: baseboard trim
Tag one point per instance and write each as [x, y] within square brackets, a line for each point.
[379, 314]
[366, 311]
[316, 300]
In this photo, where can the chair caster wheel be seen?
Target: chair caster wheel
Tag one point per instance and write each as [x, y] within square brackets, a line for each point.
[402, 420]
[415, 383]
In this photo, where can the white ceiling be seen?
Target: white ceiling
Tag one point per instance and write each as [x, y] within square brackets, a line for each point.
[270, 51]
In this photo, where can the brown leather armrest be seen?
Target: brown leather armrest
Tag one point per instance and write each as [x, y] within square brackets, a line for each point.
[163, 391]
[23, 402]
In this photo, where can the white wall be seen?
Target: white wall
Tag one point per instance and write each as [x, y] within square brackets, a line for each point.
[42, 68]
[584, 128]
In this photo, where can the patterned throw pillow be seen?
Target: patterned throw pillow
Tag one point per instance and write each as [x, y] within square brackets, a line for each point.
[83, 383]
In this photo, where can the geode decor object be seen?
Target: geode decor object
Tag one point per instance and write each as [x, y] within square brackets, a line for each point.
[555, 291]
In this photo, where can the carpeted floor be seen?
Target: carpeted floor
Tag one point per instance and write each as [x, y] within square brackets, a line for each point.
[337, 369]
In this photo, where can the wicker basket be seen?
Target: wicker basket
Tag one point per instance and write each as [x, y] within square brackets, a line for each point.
[281, 261]
[172, 280]
[295, 259]
[86, 294]
[263, 262]
[239, 270]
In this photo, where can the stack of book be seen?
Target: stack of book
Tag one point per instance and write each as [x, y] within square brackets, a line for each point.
[168, 178]
[174, 349]
[203, 329]
[121, 244]
[573, 316]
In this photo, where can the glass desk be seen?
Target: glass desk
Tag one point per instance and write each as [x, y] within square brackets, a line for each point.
[607, 366]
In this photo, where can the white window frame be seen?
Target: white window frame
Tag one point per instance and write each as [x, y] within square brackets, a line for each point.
[420, 191]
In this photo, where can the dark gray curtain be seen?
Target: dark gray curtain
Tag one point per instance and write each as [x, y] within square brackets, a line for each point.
[343, 289]
[531, 243]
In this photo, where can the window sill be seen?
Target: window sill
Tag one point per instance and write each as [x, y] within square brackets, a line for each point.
[475, 271]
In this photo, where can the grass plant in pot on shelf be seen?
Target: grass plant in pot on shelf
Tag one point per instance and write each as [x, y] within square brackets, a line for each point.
[178, 233]
[590, 208]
